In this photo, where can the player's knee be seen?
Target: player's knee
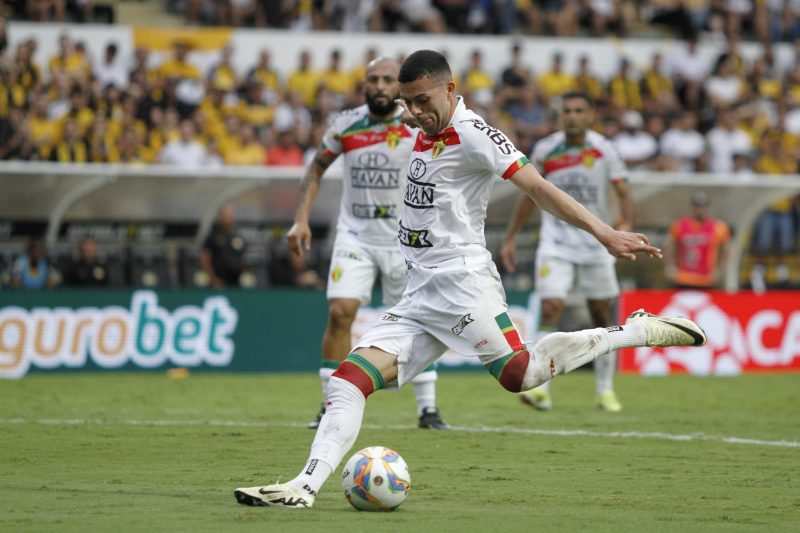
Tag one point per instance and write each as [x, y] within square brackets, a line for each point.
[341, 315]
[512, 386]
[551, 310]
[600, 313]
[361, 373]
[510, 370]
[429, 375]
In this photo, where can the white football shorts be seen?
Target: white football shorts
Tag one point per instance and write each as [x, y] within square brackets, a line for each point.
[555, 278]
[355, 266]
[459, 304]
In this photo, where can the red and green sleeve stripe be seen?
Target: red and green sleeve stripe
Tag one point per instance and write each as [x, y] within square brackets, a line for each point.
[327, 151]
[515, 166]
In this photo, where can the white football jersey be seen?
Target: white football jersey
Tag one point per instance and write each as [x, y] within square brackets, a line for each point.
[448, 185]
[584, 172]
[375, 159]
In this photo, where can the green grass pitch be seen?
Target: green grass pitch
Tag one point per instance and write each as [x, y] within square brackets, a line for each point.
[142, 452]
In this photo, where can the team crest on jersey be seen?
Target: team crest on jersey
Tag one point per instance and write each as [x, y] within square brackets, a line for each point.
[438, 148]
[336, 274]
[393, 137]
[544, 271]
[588, 160]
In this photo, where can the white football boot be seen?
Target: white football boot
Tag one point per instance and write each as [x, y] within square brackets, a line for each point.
[668, 331]
[608, 402]
[279, 495]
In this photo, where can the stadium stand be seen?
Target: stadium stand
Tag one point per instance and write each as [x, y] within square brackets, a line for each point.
[191, 273]
[216, 97]
[150, 267]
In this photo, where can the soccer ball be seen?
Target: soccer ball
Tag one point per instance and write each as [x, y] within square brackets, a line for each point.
[376, 479]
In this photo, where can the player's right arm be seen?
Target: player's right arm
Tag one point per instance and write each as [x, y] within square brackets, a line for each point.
[406, 116]
[508, 251]
[299, 235]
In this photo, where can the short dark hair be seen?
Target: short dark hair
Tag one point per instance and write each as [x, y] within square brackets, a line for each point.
[424, 63]
[569, 95]
[700, 199]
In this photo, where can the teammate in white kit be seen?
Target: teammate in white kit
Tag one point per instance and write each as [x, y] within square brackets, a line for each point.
[454, 297]
[584, 164]
[375, 146]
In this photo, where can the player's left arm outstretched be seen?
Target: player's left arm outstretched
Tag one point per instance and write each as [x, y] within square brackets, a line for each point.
[621, 244]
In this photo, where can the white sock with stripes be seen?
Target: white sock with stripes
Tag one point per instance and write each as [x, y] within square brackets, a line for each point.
[336, 434]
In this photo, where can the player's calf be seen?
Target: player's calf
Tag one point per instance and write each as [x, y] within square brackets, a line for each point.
[557, 353]
[517, 371]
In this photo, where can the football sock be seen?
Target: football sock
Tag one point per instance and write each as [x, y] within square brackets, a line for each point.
[425, 389]
[313, 476]
[628, 336]
[336, 434]
[559, 353]
[325, 372]
[543, 332]
[604, 368]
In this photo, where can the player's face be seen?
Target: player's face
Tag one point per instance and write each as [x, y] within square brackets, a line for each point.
[577, 116]
[430, 101]
[700, 212]
[381, 87]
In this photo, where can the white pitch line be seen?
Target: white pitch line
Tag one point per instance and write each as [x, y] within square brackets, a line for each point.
[653, 435]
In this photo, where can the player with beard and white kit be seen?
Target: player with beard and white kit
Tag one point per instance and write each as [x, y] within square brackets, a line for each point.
[375, 145]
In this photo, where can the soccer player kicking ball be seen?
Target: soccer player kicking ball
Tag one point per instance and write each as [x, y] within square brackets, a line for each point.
[454, 297]
[375, 146]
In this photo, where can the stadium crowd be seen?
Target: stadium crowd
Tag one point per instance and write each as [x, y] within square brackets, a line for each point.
[680, 112]
[764, 20]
